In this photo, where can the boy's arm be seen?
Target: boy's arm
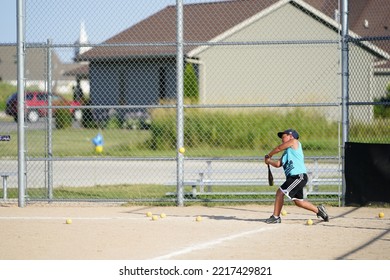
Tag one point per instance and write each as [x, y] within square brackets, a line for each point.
[274, 163]
[282, 147]
[279, 148]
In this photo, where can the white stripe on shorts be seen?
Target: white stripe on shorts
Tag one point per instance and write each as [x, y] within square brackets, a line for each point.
[292, 186]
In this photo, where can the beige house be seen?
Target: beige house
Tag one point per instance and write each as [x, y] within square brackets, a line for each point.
[278, 73]
[276, 52]
[65, 76]
[36, 73]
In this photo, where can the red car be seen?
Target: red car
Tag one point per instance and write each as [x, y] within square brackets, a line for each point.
[35, 99]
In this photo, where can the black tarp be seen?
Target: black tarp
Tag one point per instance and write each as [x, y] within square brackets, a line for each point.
[367, 173]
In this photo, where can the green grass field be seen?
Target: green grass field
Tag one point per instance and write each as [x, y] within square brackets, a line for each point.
[125, 143]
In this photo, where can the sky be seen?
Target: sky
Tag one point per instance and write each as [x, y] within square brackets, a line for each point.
[60, 20]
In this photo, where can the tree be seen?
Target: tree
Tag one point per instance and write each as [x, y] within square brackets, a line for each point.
[382, 111]
[191, 90]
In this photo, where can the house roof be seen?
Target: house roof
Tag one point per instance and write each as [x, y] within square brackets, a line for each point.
[367, 18]
[202, 22]
[206, 21]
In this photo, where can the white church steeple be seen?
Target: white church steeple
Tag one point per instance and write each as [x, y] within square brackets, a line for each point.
[83, 39]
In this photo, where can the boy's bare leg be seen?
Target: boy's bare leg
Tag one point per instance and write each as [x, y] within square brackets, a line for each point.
[320, 210]
[279, 200]
[306, 205]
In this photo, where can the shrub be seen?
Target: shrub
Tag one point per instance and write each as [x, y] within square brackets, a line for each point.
[5, 91]
[191, 91]
[63, 118]
[88, 120]
[383, 111]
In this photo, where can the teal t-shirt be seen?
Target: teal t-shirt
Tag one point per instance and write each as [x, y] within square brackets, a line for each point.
[293, 161]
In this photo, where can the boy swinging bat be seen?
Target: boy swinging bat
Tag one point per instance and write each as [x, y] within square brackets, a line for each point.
[293, 163]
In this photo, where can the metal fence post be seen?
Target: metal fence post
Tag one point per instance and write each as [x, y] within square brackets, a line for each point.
[180, 88]
[49, 123]
[20, 86]
[345, 86]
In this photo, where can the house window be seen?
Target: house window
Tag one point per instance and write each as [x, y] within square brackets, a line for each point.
[162, 83]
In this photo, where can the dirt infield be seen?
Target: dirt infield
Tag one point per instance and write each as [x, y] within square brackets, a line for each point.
[225, 233]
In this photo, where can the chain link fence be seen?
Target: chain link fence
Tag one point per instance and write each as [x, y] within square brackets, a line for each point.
[107, 106]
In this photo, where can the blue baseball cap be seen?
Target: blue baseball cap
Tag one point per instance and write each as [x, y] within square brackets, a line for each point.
[290, 131]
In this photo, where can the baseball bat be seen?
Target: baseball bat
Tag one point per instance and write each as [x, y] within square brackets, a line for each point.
[270, 176]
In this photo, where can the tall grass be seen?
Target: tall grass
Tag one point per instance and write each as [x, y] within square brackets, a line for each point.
[242, 131]
[378, 131]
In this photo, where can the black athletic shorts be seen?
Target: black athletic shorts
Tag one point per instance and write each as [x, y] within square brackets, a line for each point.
[293, 187]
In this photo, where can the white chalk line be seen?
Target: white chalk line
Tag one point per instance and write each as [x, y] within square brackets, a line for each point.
[73, 218]
[84, 218]
[210, 244]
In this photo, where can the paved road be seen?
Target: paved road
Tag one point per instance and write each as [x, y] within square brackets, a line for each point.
[11, 126]
[92, 173]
